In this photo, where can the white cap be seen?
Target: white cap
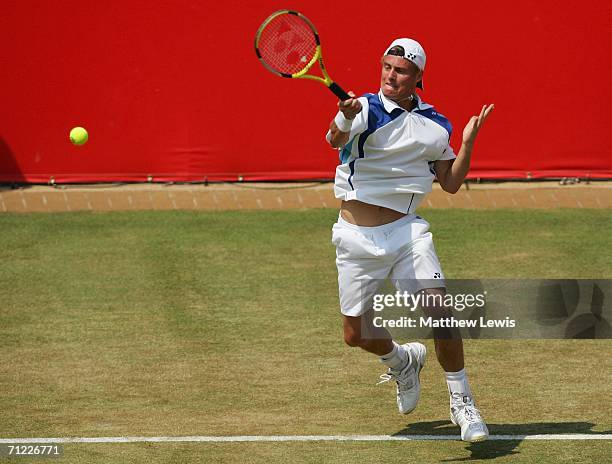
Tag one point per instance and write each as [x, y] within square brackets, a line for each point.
[412, 52]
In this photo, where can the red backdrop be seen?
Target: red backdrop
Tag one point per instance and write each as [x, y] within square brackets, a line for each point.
[172, 89]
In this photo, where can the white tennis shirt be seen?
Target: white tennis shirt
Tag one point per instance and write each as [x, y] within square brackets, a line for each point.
[388, 160]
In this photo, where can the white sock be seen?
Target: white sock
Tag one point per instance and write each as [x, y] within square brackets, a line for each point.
[458, 383]
[397, 358]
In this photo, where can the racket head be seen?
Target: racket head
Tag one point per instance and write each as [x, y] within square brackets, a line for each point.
[287, 43]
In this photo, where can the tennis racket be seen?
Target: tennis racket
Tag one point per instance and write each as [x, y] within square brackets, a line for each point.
[287, 44]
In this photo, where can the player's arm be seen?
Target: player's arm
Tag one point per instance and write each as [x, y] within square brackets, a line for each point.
[452, 173]
[340, 127]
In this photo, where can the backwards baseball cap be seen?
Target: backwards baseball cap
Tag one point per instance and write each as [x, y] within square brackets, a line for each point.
[410, 50]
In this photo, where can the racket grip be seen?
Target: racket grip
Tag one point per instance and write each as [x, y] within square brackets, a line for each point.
[339, 92]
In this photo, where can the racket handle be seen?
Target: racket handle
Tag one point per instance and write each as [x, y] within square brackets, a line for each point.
[341, 94]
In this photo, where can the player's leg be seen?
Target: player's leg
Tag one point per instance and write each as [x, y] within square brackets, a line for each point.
[447, 340]
[360, 332]
[361, 271]
[404, 361]
[449, 351]
[419, 268]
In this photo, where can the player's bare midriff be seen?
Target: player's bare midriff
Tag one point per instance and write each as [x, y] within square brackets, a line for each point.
[366, 215]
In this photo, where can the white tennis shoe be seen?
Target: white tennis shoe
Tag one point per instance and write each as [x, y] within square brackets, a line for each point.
[407, 378]
[464, 414]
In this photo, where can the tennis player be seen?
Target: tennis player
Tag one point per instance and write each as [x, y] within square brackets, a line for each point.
[392, 145]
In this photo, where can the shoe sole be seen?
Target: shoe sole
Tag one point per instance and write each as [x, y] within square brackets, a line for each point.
[421, 366]
[473, 440]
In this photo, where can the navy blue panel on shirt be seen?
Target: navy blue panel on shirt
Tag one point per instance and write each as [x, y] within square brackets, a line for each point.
[438, 118]
[377, 117]
[352, 167]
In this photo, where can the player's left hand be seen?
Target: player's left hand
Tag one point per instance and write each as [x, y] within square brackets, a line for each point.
[475, 123]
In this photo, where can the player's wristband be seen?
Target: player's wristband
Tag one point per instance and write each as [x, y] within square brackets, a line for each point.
[342, 123]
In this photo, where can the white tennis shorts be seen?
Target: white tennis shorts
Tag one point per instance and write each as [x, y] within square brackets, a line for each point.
[402, 251]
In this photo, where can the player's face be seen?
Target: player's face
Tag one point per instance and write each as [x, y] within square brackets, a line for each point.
[399, 77]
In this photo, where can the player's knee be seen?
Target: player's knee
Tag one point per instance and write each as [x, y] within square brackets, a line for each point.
[352, 338]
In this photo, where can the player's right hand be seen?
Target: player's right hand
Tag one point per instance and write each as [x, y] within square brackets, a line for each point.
[351, 107]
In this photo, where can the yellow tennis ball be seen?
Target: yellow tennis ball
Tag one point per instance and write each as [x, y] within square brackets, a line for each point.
[78, 136]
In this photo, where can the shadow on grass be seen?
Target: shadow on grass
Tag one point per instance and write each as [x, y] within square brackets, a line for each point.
[497, 448]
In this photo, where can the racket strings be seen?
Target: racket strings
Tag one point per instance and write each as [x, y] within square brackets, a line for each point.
[287, 44]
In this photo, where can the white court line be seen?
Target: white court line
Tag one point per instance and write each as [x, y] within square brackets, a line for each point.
[289, 438]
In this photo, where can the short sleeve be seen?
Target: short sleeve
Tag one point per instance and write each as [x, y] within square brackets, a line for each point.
[447, 154]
